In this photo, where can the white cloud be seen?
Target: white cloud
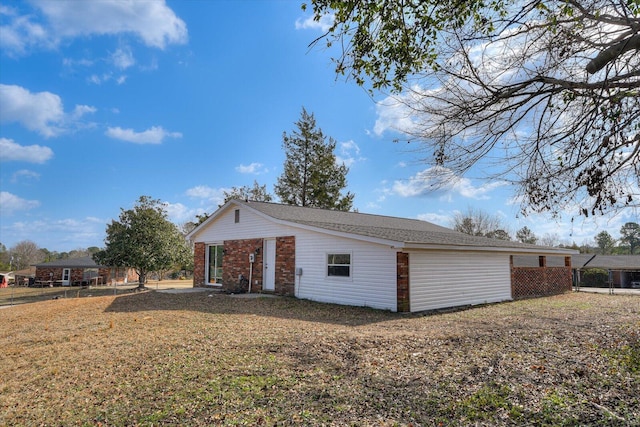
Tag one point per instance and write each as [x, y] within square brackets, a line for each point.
[153, 22]
[10, 203]
[71, 63]
[179, 213]
[98, 79]
[325, 22]
[24, 174]
[213, 196]
[442, 219]
[253, 168]
[81, 110]
[442, 183]
[40, 112]
[153, 135]
[21, 33]
[63, 234]
[349, 153]
[397, 113]
[122, 58]
[12, 151]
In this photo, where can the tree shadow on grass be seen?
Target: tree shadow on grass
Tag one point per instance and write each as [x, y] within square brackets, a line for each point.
[279, 307]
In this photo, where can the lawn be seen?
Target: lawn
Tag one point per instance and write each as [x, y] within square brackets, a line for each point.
[202, 359]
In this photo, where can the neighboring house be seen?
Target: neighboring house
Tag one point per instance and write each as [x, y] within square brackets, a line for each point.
[23, 277]
[364, 260]
[81, 271]
[624, 270]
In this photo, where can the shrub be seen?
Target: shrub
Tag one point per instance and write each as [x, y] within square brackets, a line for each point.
[595, 277]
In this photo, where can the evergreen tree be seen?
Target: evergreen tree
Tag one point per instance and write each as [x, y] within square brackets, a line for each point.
[525, 235]
[630, 234]
[144, 239]
[605, 242]
[311, 176]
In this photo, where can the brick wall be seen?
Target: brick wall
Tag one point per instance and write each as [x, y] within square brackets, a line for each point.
[527, 282]
[286, 265]
[402, 282]
[235, 264]
[199, 265]
[76, 275]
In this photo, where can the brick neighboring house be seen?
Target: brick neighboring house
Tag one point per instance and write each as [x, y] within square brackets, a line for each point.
[359, 259]
[81, 271]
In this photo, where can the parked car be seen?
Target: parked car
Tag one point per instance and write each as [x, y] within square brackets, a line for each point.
[635, 284]
[4, 282]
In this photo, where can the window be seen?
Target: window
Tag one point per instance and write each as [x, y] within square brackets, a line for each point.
[237, 214]
[215, 264]
[339, 265]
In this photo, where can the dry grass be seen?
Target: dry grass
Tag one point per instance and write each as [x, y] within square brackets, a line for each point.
[193, 359]
[20, 295]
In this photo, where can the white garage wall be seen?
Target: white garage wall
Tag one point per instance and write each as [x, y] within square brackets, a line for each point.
[373, 272]
[450, 279]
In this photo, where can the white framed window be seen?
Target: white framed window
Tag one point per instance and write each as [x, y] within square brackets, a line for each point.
[339, 264]
[214, 261]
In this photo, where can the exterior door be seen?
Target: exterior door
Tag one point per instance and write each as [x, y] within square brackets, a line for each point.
[66, 273]
[269, 282]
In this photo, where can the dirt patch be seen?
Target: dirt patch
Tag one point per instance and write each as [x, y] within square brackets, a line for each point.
[210, 359]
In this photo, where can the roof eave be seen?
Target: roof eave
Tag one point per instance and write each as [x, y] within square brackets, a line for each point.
[471, 248]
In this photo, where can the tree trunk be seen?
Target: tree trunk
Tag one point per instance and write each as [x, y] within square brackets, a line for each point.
[142, 279]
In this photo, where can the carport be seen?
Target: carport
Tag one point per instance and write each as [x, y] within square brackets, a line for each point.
[624, 270]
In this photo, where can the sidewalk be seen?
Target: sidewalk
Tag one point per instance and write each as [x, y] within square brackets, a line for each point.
[616, 291]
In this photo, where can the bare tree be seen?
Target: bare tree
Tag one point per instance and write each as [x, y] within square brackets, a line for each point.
[550, 239]
[548, 89]
[25, 253]
[256, 193]
[477, 222]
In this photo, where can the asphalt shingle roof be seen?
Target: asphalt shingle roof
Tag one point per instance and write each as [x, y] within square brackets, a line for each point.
[612, 262]
[404, 230]
[83, 262]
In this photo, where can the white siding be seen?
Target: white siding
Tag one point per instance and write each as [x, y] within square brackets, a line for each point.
[449, 279]
[251, 226]
[373, 272]
[373, 266]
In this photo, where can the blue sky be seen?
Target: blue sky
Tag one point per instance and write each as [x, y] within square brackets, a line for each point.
[104, 101]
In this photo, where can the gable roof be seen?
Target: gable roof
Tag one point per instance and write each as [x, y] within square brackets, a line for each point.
[401, 232]
[83, 262]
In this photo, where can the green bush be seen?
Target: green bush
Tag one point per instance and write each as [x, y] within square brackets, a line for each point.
[595, 277]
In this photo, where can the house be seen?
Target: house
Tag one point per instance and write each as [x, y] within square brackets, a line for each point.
[624, 270]
[24, 276]
[80, 271]
[360, 259]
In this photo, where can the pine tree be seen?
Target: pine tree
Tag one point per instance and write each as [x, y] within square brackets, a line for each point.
[311, 176]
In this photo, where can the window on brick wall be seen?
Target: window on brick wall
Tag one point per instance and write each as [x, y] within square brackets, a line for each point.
[214, 259]
[339, 265]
